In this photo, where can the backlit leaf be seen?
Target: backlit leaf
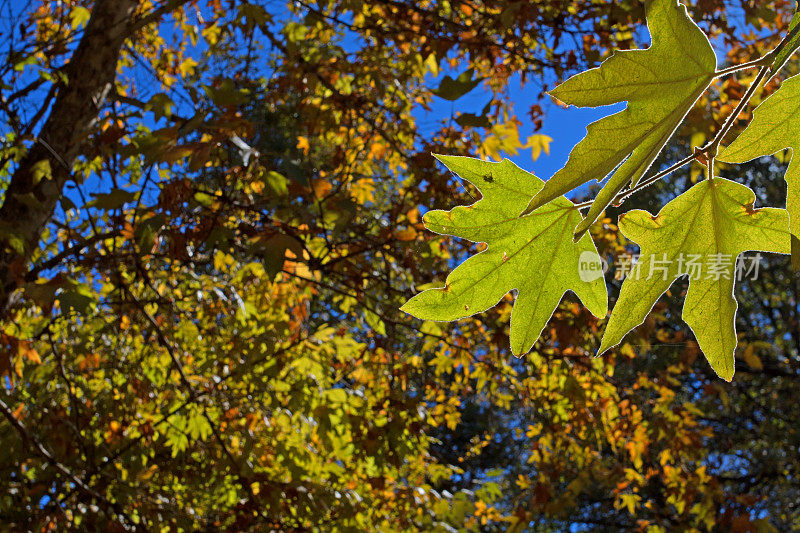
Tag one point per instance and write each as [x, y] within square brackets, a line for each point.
[79, 16]
[660, 85]
[775, 127]
[711, 224]
[534, 255]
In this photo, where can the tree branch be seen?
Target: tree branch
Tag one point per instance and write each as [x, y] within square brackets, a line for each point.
[38, 181]
[39, 448]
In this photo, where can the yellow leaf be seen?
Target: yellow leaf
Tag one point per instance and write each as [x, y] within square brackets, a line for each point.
[186, 68]
[222, 260]
[539, 143]
[79, 17]
[363, 190]
[698, 138]
[628, 501]
[490, 147]
[211, 34]
[433, 64]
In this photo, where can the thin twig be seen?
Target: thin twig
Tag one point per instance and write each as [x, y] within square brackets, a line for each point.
[761, 61]
[709, 151]
[39, 448]
[68, 252]
[194, 396]
[646, 182]
[711, 148]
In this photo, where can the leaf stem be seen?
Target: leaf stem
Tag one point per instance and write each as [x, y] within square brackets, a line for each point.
[646, 182]
[709, 151]
[743, 66]
[712, 147]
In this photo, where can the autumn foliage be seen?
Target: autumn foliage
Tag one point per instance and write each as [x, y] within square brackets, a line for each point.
[209, 229]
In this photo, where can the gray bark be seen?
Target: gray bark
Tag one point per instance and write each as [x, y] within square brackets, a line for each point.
[38, 182]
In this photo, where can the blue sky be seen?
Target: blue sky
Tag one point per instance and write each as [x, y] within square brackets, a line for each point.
[567, 126]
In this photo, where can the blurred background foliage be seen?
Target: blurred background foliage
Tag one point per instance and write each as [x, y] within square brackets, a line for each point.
[207, 337]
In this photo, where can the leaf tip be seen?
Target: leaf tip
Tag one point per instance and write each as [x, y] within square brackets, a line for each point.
[412, 307]
[519, 351]
[724, 371]
[442, 158]
[604, 347]
[535, 203]
[554, 93]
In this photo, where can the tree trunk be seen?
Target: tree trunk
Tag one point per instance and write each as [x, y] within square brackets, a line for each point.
[38, 182]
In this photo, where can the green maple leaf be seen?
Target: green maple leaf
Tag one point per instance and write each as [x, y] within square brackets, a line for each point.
[775, 127]
[660, 84]
[710, 225]
[534, 254]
